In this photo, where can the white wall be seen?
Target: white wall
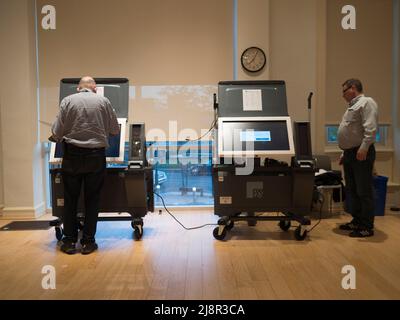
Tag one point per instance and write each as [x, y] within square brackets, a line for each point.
[1, 169]
[301, 38]
[253, 26]
[23, 191]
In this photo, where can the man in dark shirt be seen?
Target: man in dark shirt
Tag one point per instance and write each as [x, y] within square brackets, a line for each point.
[84, 122]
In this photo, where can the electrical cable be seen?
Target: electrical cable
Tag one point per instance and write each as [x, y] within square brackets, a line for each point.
[186, 228]
[213, 124]
[320, 211]
[216, 224]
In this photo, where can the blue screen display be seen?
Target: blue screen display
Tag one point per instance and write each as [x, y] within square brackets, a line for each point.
[254, 136]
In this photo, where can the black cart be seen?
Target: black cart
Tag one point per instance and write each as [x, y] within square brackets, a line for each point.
[124, 190]
[285, 190]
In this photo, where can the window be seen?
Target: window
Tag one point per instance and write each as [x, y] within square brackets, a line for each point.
[182, 172]
[331, 134]
[381, 134]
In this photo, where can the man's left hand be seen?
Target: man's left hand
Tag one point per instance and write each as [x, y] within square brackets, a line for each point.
[362, 154]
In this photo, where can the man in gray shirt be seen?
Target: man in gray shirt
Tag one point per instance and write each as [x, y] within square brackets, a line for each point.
[356, 137]
[84, 122]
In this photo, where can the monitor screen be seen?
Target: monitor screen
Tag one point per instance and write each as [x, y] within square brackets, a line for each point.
[255, 136]
[114, 152]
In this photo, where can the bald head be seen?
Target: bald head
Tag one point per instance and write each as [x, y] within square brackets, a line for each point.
[87, 83]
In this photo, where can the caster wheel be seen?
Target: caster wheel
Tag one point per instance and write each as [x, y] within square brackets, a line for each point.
[284, 225]
[219, 236]
[300, 234]
[230, 225]
[138, 232]
[252, 222]
[59, 233]
[136, 223]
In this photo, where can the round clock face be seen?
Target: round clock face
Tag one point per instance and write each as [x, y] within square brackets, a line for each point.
[253, 59]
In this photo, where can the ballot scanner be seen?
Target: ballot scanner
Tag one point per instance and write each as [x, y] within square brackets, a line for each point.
[263, 167]
[128, 184]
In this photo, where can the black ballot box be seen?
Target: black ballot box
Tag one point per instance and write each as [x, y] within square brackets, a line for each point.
[283, 189]
[283, 194]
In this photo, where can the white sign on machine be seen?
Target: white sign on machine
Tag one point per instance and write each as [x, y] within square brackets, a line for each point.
[252, 100]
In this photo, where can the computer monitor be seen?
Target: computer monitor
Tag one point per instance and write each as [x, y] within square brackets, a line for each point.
[114, 153]
[255, 136]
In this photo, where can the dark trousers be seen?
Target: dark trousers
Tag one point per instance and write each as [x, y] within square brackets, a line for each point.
[359, 186]
[87, 167]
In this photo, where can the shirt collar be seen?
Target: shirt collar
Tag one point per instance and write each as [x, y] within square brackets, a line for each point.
[85, 90]
[355, 100]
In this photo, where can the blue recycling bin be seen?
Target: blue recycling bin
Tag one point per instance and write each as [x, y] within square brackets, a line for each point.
[380, 189]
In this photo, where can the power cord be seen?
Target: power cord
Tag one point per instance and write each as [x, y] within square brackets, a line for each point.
[186, 228]
[216, 224]
[321, 199]
[213, 124]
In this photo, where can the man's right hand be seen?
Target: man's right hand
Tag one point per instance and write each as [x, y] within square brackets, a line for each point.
[341, 160]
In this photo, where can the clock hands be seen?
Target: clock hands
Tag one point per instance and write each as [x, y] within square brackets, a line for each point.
[253, 57]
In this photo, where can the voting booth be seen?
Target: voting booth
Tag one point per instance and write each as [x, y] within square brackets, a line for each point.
[258, 172]
[128, 185]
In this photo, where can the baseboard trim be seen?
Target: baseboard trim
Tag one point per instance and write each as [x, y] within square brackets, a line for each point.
[24, 212]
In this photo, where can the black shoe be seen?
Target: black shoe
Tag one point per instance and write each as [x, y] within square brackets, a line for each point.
[68, 247]
[362, 233]
[348, 226]
[89, 247]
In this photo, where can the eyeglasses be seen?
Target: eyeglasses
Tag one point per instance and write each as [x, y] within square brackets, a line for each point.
[344, 91]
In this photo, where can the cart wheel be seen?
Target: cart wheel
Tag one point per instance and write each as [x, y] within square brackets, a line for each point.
[300, 234]
[230, 225]
[59, 233]
[138, 233]
[284, 225]
[136, 223]
[219, 236]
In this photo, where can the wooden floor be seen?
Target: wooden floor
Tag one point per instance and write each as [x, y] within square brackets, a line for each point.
[259, 262]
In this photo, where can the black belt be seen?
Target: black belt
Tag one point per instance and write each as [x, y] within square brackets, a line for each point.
[73, 148]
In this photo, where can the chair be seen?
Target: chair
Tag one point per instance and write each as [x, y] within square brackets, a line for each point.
[324, 162]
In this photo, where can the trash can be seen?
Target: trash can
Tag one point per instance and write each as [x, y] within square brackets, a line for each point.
[380, 187]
